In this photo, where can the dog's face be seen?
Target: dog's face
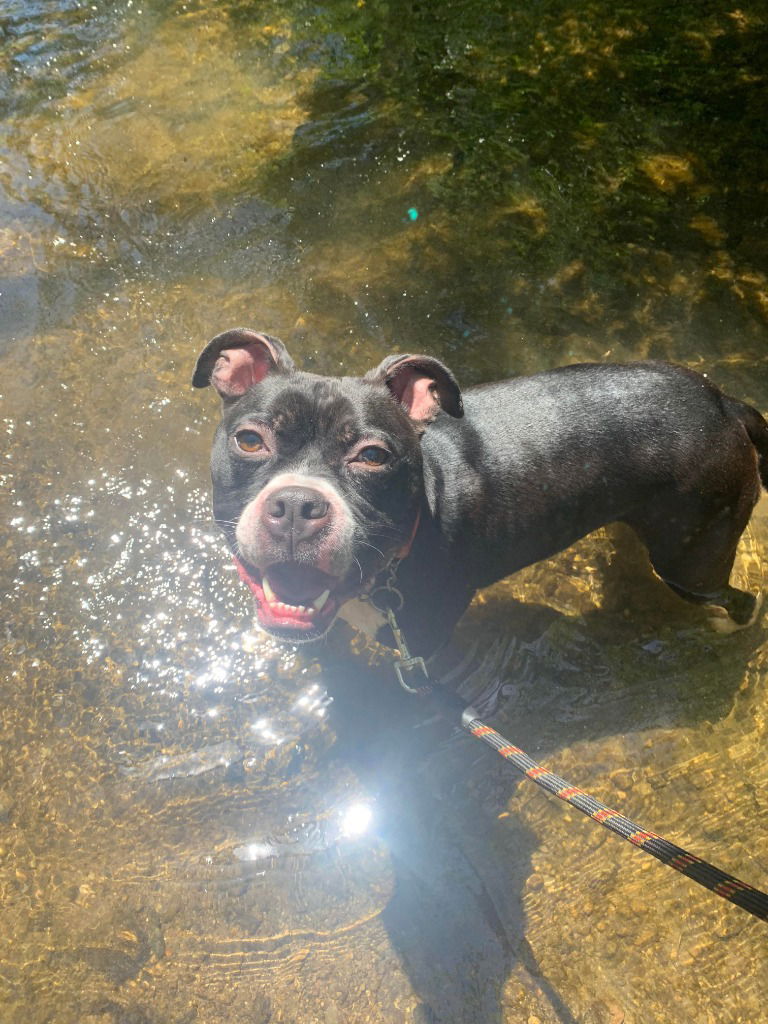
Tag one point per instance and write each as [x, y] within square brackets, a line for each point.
[317, 481]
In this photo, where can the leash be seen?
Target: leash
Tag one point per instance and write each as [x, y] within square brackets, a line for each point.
[387, 599]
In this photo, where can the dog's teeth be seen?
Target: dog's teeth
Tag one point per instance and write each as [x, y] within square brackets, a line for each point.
[291, 609]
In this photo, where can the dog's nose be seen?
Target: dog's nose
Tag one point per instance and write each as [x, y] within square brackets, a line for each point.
[297, 513]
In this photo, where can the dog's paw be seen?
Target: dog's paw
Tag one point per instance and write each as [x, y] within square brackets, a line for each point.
[721, 622]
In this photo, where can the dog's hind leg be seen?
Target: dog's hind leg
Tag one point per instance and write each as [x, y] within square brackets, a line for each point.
[694, 554]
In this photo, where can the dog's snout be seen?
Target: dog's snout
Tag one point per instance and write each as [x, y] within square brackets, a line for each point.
[295, 512]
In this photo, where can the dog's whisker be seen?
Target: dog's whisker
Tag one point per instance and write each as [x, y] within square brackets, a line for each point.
[373, 548]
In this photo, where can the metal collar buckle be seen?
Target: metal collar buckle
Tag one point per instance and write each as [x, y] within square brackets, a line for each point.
[387, 599]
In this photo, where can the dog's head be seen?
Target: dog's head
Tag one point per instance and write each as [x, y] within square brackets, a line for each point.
[317, 481]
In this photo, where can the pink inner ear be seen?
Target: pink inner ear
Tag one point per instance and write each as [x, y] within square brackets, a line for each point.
[238, 369]
[416, 393]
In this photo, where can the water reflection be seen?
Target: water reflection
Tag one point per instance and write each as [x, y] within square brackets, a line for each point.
[196, 821]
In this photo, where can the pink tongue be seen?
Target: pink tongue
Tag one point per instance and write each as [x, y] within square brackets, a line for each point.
[297, 584]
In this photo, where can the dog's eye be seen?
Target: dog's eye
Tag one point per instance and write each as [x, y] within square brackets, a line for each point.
[372, 455]
[249, 441]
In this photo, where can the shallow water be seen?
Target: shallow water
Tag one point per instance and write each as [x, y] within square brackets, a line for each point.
[183, 802]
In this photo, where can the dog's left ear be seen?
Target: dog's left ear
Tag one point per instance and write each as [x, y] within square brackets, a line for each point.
[236, 360]
[421, 384]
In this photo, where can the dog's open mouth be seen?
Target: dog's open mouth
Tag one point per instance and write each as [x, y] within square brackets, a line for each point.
[295, 601]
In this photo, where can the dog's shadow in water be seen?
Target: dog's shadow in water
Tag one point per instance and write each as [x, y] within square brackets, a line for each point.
[458, 935]
[456, 916]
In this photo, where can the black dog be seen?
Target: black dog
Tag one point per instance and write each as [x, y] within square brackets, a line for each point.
[320, 483]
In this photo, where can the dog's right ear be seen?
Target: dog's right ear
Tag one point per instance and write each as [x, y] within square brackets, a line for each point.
[236, 360]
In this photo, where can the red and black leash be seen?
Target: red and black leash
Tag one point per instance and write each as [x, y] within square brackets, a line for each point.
[745, 896]
[733, 889]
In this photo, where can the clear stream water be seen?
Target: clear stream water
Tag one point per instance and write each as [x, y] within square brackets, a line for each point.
[198, 825]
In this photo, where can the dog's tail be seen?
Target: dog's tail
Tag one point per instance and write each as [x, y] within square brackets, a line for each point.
[757, 431]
